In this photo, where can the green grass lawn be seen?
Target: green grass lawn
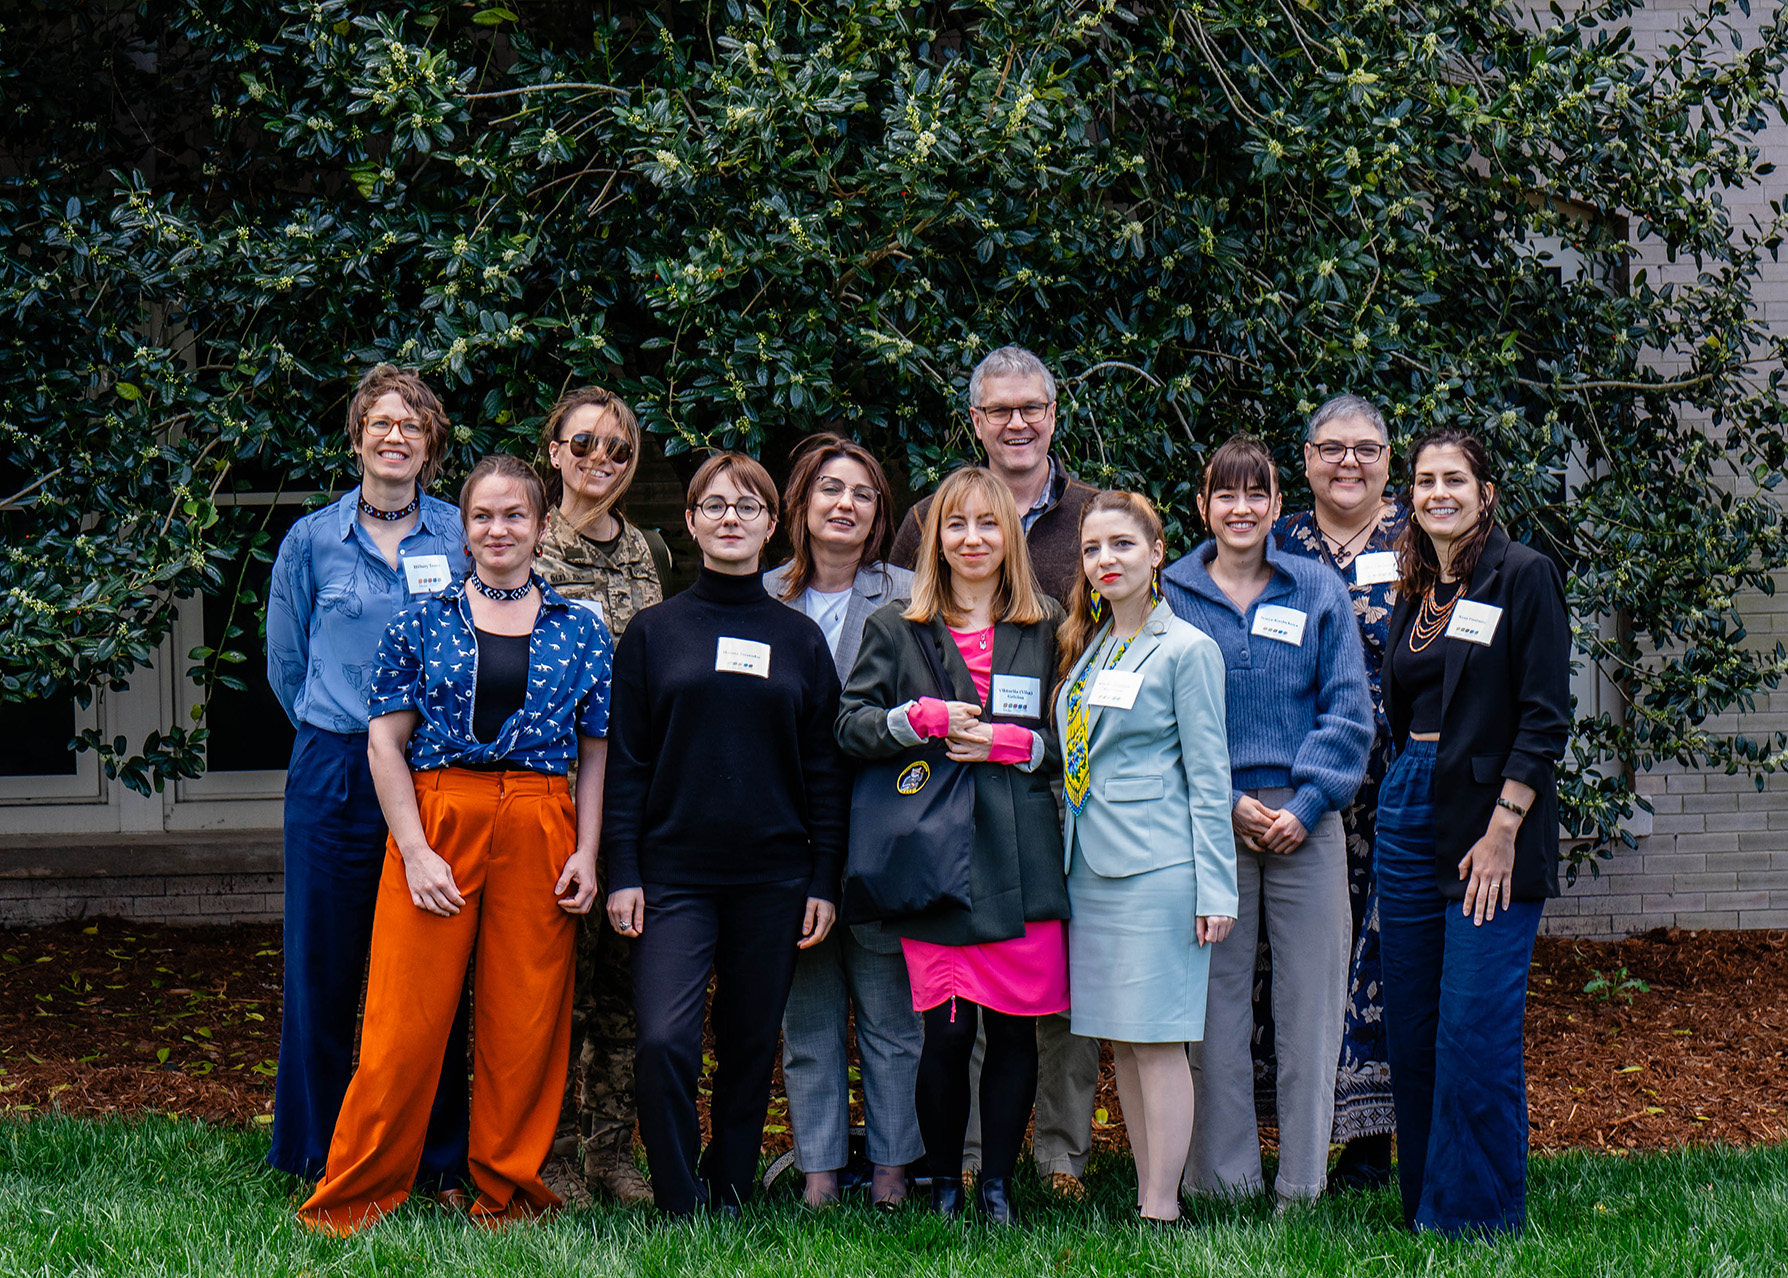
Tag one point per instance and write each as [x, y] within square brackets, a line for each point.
[165, 1196]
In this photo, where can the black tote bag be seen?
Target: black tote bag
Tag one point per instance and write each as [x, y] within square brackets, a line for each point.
[912, 825]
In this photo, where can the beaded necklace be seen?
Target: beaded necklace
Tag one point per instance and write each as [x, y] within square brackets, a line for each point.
[1431, 621]
[493, 592]
[391, 516]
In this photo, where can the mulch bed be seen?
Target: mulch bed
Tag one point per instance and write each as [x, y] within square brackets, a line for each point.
[107, 1017]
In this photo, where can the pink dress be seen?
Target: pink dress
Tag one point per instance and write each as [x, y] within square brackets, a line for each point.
[1024, 976]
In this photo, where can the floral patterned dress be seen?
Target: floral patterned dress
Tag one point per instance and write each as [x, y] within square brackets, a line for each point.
[1363, 1080]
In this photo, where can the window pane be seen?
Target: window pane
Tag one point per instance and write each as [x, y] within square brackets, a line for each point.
[249, 730]
[35, 736]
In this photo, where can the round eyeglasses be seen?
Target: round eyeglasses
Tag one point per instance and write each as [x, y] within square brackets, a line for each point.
[833, 489]
[747, 508]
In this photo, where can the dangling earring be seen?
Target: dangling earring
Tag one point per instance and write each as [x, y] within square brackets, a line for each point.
[1093, 599]
[1155, 590]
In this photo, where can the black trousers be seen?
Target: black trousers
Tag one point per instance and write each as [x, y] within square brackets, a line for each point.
[745, 936]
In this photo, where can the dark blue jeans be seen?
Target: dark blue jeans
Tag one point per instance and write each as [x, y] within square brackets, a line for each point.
[335, 850]
[1455, 998]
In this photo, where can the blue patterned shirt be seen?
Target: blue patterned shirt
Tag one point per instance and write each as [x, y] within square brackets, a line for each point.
[333, 594]
[428, 662]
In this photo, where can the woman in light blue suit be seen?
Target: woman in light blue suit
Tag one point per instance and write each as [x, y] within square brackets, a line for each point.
[1149, 842]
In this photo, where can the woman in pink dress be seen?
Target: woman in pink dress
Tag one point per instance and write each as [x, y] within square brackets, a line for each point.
[1003, 961]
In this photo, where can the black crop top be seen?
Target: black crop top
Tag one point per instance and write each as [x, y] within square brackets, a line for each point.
[502, 682]
[1419, 668]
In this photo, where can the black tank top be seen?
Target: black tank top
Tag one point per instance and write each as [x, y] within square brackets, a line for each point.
[1420, 671]
[502, 682]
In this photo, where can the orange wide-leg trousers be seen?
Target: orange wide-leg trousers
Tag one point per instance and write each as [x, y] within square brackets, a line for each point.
[507, 836]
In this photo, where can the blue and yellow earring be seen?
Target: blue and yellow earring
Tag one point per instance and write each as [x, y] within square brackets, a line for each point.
[1093, 599]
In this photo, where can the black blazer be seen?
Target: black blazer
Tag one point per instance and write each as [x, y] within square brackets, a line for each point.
[1015, 861]
[1505, 712]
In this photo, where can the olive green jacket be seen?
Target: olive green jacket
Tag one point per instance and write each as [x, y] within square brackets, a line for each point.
[620, 580]
[1015, 863]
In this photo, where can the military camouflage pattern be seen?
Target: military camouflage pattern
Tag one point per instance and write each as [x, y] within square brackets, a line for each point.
[599, 1091]
[624, 579]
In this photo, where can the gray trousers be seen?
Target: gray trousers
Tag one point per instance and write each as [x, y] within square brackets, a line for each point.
[1308, 923]
[849, 969]
[1067, 1078]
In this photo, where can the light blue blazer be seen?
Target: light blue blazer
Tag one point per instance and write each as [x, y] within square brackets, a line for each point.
[1160, 770]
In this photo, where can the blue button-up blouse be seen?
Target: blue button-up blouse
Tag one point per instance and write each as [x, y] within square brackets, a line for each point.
[332, 596]
[428, 662]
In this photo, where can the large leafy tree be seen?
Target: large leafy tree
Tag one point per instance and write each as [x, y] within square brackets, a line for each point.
[755, 220]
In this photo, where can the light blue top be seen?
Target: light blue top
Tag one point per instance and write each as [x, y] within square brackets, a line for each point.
[333, 594]
[1160, 768]
[428, 662]
[1299, 715]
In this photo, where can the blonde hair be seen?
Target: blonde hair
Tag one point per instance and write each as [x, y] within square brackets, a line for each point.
[1085, 618]
[1018, 599]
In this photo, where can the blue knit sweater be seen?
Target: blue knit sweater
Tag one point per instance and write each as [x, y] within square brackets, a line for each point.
[1299, 716]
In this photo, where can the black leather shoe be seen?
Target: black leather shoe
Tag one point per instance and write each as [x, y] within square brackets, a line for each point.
[946, 1196]
[996, 1199]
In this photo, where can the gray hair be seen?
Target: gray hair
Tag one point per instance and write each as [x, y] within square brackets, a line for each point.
[1339, 406]
[1010, 361]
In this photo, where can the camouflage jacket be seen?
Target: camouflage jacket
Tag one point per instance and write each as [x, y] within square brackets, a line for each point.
[623, 579]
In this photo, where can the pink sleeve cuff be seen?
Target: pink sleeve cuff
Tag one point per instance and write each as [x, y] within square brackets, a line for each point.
[1011, 744]
[931, 718]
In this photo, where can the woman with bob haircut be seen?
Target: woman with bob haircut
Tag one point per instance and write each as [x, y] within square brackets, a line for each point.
[1003, 961]
[590, 450]
[1477, 691]
[726, 811]
[483, 696]
[1150, 851]
[836, 510]
[1300, 727]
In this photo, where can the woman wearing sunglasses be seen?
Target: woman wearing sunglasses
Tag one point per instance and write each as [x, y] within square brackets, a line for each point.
[589, 553]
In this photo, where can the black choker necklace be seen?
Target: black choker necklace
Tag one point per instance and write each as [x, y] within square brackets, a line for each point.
[491, 592]
[392, 516]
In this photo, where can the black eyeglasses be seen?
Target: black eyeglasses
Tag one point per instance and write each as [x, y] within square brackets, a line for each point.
[1000, 414]
[747, 508]
[618, 447]
[833, 489]
[1335, 451]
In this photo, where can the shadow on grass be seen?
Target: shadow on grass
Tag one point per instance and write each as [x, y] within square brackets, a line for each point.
[165, 1196]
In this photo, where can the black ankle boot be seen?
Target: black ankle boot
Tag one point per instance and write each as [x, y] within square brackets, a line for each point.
[946, 1196]
[996, 1199]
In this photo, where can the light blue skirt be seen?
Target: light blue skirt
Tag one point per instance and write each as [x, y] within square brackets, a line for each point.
[1136, 972]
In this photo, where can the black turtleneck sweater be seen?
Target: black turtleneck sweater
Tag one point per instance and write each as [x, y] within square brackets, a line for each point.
[718, 777]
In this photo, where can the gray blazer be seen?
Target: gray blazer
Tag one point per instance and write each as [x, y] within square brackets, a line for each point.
[875, 585]
[1159, 770]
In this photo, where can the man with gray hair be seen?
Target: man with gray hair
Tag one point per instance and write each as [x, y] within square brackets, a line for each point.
[1012, 409]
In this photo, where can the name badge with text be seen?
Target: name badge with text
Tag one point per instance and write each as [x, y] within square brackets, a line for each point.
[743, 656]
[425, 574]
[1284, 624]
[1474, 622]
[1375, 569]
[1017, 695]
[1116, 688]
[595, 606]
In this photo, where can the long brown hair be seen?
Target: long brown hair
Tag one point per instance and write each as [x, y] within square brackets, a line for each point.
[622, 416]
[1418, 567]
[811, 455]
[1018, 598]
[1084, 616]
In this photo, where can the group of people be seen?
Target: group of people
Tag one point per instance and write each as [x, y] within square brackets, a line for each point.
[1312, 757]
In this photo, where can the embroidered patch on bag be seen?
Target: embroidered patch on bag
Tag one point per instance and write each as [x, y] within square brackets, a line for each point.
[913, 779]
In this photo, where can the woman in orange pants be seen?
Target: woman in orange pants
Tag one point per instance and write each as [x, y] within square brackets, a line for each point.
[490, 689]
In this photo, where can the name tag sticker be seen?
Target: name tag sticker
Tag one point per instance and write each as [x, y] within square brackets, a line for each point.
[743, 656]
[1116, 688]
[1284, 624]
[425, 574]
[1375, 569]
[1474, 622]
[592, 605]
[1017, 695]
